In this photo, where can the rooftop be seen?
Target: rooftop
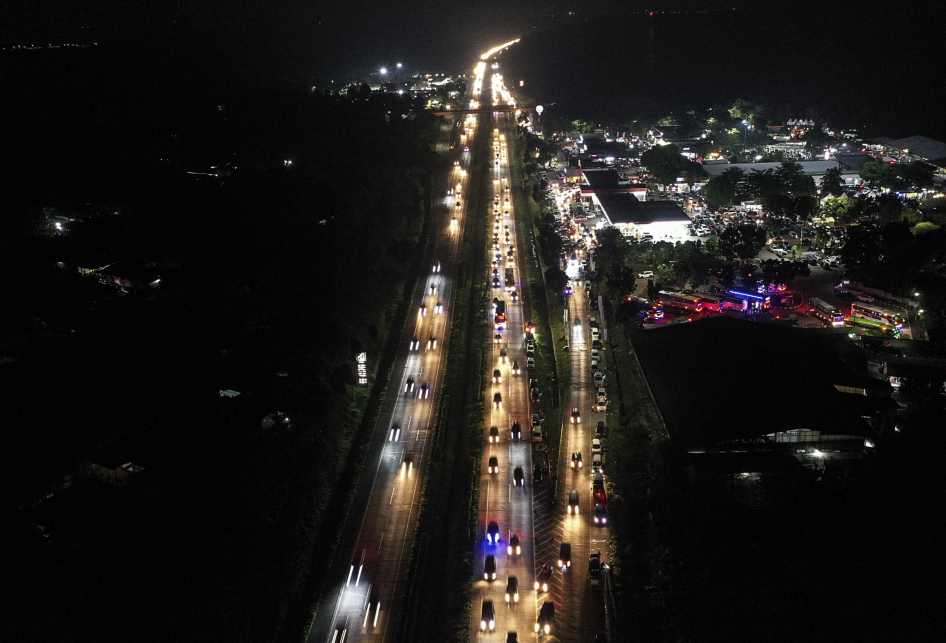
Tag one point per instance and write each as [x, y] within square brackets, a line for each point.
[624, 207]
[709, 395]
[921, 146]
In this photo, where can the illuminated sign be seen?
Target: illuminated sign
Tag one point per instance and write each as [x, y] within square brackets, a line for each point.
[362, 368]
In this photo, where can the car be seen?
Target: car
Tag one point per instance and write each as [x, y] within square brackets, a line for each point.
[576, 416]
[512, 590]
[543, 625]
[409, 385]
[542, 580]
[576, 460]
[395, 433]
[373, 604]
[494, 434]
[503, 355]
[493, 466]
[506, 213]
[497, 376]
[516, 431]
[497, 339]
[573, 502]
[423, 310]
[512, 637]
[432, 290]
[518, 477]
[415, 344]
[530, 348]
[565, 556]
[599, 378]
[436, 267]
[423, 391]
[432, 343]
[596, 446]
[647, 274]
[597, 464]
[496, 282]
[514, 296]
[514, 548]
[407, 464]
[601, 514]
[530, 363]
[489, 568]
[492, 532]
[515, 370]
[487, 617]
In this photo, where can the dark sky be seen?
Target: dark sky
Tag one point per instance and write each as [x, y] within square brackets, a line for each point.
[325, 38]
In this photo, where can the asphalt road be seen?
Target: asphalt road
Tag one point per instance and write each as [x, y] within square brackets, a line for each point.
[369, 572]
[509, 505]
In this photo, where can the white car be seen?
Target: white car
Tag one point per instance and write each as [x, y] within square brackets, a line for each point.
[648, 274]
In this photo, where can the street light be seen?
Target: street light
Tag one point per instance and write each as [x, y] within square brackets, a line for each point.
[384, 70]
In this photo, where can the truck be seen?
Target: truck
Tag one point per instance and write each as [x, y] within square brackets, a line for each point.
[594, 568]
[510, 280]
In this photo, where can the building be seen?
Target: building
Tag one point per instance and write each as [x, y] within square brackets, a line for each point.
[916, 148]
[663, 220]
[809, 397]
[815, 169]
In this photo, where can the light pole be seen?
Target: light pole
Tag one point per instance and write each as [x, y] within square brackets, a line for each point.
[745, 135]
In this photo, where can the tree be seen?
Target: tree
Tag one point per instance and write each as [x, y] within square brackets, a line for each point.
[876, 173]
[911, 216]
[925, 227]
[917, 174]
[832, 183]
[718, 192]
[743, 241]
[793, 180]
[843, 210]
[555, 279]
[664, 163]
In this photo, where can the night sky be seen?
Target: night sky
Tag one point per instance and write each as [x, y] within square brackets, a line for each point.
[313, 36]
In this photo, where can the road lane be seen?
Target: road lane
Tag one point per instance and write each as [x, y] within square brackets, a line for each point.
[375, 565]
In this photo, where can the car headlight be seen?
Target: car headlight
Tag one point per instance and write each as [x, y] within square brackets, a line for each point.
[482, 625]
[536, 627]
[547, 628]
[507, 598]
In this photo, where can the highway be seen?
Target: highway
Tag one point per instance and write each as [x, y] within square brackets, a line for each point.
[369, 572]
[502, 500]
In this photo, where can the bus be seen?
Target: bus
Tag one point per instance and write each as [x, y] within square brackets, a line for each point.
[750, 301]
[646, 308]
[690, 303]
[825, 312]
[501, 315]
[880, 313]
[712, 302]
[880, 328]
[510, 280]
